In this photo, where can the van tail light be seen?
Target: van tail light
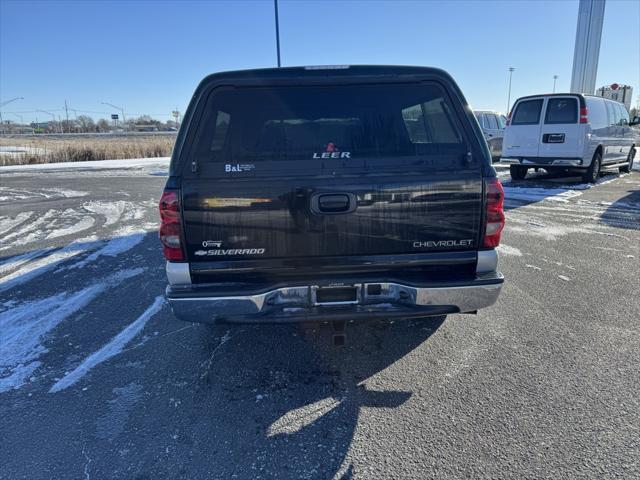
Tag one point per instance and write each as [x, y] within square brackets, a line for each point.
[509, 118]
[170, 225]
[494, 214]
[584, 118]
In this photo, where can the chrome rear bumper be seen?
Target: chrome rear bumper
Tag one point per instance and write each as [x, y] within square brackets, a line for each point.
[299, 304]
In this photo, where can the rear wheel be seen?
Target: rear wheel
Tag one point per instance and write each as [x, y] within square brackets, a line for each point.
[591, 174]
[627, 168]
[518, 172]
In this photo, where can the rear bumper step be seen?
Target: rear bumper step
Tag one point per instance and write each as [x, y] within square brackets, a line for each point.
[300, 303]
[543, 161]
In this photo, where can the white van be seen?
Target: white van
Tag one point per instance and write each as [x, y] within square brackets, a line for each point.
[568, 131]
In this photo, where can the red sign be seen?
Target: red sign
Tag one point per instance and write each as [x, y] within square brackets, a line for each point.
[615, 86]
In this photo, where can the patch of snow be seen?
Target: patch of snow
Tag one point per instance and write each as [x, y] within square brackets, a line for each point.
[536, 194]
[507, 250]
[7, 223]
[124, 240]
[12, 194]
[42, 265]
[14, 262]
[562, 277]
[112, 211]
[91, 165]
[25, 327]
[533, 267]
[111, 349]
[30, 231]
[81, 225]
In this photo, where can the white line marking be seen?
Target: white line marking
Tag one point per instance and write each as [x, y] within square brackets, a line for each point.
[111, 349]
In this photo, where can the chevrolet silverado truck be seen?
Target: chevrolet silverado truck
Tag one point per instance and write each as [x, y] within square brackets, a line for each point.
[330, 194]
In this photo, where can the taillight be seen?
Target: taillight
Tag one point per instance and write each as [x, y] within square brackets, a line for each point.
[494, 214]
[584, 118]
[509, 118]
[170, 225]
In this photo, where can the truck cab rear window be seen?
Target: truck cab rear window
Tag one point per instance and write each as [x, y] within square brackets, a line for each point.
[527, 112]
[312, 123]
[561, 110]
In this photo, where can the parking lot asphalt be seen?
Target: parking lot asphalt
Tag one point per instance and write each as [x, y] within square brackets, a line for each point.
[99, 380]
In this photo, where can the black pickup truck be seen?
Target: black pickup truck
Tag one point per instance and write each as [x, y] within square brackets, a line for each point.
[330, 193]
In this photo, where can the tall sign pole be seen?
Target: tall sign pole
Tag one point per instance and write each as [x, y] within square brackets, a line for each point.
[587, 47]
[275, 6]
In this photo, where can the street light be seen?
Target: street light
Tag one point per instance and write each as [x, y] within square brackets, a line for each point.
[48, 113]
[511, 70]
[555, 77]
[7, 103]
[124, 120]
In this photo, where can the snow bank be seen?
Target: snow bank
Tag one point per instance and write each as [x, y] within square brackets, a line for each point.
[162, 162]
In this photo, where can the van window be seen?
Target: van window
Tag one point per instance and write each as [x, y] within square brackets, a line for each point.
[303, 123]
[561, 110]
[527, 112]
[623, 116]
[502, 121]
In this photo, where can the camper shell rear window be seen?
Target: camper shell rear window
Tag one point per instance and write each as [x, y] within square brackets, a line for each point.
[309, 124]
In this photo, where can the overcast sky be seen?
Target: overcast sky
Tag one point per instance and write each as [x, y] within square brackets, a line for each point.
[148, 56]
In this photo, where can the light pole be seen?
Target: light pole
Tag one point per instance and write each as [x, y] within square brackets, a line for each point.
[275, 6]
[7, 103]
[555, 78]
[511, 70]
[124, 119]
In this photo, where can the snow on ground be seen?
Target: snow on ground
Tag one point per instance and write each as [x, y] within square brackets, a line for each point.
[82, 224]
[536, 194]
[111, 349]
[26, 326]
[33, 269]
[124, 239]
[161, 162]
[7, 223]
[12, 194]
[111, 210]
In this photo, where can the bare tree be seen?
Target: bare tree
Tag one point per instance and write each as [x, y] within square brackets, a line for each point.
[102, 125]
[86, 123]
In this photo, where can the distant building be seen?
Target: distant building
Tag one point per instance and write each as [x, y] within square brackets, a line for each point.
[618, 92]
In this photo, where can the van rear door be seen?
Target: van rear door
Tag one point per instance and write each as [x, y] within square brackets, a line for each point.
[522, 136]
[285, 171]
[560, 135]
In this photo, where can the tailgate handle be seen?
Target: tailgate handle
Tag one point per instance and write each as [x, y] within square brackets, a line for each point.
[553, 138]
[333, 203]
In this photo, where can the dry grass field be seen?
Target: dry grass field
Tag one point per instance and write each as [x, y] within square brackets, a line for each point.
[32, 149]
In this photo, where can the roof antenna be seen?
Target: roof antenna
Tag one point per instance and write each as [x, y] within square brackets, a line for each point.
[275, 6]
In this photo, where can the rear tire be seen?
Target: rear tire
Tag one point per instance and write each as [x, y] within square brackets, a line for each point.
[518, 172]
[592, 173]
[627, 168]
